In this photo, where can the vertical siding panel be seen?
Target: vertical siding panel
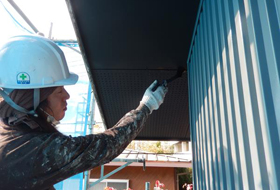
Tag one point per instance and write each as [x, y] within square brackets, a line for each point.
[256, 106]
[219, 152]
[277, 4]
[204, 104]
[241, 77]
[231, 126]
[192, 95]
[237, 145]
[198, 165]
[267, 66]
[223, 97]
[270, 31]
[207, 92]
[272, 22]
[202, 153]
[201, 171]
[262, 125]
[216, 95]
[198, 150]
[209, 38]
[235, 95]
[201, 108]
[249, 96]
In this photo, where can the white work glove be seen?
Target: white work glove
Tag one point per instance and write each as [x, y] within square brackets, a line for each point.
[154, 99]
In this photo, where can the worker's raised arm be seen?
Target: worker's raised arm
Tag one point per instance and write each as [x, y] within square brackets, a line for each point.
[59, 157]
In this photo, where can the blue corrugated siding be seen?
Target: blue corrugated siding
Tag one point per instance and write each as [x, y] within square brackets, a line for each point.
[234, 89]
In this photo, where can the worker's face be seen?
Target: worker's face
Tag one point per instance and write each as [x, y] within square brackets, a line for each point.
[57, 104]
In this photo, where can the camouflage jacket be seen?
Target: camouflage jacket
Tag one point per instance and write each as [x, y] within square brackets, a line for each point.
[37, 160]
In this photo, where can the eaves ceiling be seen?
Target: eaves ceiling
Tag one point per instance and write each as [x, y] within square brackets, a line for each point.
[127, 44]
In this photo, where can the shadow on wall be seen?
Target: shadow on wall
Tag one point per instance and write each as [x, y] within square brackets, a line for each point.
[211, 173]
[226, 82]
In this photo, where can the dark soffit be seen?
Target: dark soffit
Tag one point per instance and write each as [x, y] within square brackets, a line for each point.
[126, 45]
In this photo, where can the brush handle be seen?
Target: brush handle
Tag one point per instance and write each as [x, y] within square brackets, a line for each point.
[158, 84]
[179, 73]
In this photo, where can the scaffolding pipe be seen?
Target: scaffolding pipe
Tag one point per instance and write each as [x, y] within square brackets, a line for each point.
[71, 48]
[109, 174]
[102, 171]
[128, 162]
[50, 32]
[14, 5]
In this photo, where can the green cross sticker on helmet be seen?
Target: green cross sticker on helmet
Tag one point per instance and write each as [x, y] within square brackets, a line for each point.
[23, 78]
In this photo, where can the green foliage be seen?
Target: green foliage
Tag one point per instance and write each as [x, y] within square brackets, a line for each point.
[152, 146]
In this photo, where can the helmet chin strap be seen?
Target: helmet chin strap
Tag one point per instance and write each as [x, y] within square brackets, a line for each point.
[36, 101]
[50, 118]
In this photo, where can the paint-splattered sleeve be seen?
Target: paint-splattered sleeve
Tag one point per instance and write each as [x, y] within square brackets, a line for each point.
[60, 157]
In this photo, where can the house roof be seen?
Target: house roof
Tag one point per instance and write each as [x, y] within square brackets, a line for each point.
[154, 159]
[127, 45]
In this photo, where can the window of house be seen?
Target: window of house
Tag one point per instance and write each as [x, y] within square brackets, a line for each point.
[119, 184]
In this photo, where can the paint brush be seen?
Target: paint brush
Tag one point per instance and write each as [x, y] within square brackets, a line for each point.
[179, 73]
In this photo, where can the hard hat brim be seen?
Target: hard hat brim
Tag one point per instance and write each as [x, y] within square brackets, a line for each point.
[72, 79]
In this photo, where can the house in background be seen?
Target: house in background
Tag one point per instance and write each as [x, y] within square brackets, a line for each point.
[183, 147]
[160, 167]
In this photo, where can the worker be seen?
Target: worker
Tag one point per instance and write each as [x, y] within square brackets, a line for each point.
[33, 153]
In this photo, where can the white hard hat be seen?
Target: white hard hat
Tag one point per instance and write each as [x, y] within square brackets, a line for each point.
[32, 62]
[29, 62]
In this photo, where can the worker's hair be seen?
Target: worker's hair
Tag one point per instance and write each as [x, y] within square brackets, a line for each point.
[23, 98]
